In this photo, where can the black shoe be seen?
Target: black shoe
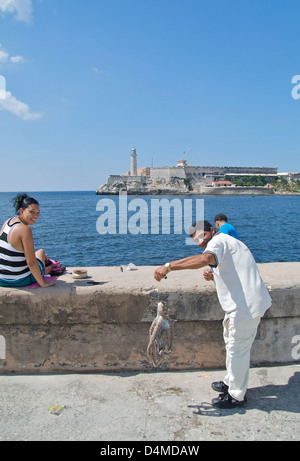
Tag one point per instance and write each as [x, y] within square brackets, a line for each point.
[226, 401]
[219, 386]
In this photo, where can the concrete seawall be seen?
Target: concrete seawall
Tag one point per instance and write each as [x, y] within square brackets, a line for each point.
[80, 327]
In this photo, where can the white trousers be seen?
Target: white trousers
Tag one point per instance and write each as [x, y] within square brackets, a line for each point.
[238, 337]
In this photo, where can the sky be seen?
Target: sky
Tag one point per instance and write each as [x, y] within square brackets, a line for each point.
[215, 82]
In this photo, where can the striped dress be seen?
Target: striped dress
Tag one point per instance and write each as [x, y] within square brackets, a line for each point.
[13, 265]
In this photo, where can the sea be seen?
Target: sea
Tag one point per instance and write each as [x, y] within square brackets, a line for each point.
[82, 229]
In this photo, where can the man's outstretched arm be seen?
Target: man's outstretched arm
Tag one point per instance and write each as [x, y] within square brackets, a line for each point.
[191, 262]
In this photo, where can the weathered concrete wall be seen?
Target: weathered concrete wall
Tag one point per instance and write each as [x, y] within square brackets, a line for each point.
[77, 327]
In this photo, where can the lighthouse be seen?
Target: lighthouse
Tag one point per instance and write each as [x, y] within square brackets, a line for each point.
[133, 169]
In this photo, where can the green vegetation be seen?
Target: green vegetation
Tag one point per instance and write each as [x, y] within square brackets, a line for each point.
[277, 182]
[248, 180]
[296, 186]
[185, 180]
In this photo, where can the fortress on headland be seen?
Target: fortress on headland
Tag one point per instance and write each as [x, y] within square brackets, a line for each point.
[185, 179]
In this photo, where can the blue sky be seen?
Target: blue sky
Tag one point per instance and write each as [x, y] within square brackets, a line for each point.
[87, 81]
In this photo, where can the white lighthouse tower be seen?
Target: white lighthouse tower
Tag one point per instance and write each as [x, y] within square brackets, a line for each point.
[133, 169]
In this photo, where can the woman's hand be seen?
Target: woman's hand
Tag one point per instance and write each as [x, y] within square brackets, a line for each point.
[47, 283]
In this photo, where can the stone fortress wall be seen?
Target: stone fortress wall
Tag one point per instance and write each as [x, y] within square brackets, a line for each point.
[199, 173]
[204, 173]
[191, 172]
[184, 178]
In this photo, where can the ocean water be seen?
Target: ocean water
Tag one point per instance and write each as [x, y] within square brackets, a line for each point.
[69, 224]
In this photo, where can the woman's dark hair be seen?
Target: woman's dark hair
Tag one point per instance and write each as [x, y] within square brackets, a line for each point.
[23, 201]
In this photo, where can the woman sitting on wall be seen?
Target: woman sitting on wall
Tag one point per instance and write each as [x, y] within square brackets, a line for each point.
[20, 265]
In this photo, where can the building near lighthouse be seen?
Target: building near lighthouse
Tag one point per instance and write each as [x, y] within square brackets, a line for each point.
[183, 178]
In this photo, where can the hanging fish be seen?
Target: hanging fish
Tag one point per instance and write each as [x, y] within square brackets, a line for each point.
[161, 335]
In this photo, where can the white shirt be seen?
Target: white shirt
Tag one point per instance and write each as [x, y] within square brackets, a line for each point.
[240, 288]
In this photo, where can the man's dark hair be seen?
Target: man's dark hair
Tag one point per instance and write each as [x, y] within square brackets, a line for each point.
[205, 225]
[221, 217]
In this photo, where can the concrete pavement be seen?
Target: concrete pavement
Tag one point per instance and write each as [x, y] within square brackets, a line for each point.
[158, 406]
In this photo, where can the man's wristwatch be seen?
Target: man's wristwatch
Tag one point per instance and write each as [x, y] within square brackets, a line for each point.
[168, 266]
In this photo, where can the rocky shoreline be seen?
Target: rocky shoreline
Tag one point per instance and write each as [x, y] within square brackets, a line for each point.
[177, 186]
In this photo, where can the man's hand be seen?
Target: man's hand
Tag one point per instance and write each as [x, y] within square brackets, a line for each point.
[208, 275]
[160, 273]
